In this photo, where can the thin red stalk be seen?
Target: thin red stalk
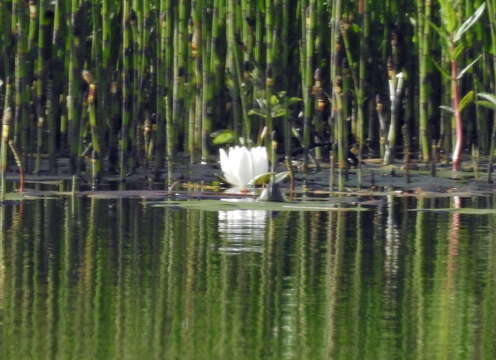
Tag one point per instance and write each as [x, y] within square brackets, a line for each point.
[455, 99]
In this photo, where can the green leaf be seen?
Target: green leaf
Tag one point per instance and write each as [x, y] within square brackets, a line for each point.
[223, 137]
[265, 178]
[469, 22]
[487, 104]
[279, 177]
[294, 100]
[274, 100]
[261, 103]
[458, 50]
[447, 108]
[466, 100]
[279, 112]
[355, 28]
[256, 113]
[261, 179]
[467, 68]
[441, 32]
[439, 68]
[489, 97]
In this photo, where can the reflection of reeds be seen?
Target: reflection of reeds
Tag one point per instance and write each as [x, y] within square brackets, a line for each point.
[116, 279]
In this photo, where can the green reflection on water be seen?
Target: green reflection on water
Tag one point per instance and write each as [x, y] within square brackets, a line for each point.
[102, 279]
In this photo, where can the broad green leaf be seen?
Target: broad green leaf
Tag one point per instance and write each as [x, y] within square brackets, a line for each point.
[469, 22]
[467, 68]
[466, 100]
[223, 137]
[489, 97]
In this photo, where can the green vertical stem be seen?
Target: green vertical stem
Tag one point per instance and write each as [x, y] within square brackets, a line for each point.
[6, 121]
[126, 88]
[41, 79]
[285, 67]
[21, 91]
[196, 55]
[310, 22]
[179, 115]
[423, 36]
[269, 76]
[240, 114]
[73, 105]
[361, 86]
[335, 116]
[164, 82]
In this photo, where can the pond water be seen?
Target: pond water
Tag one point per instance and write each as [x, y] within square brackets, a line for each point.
[120, 279]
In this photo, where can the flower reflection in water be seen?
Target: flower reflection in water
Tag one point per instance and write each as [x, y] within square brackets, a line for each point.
[242, 230]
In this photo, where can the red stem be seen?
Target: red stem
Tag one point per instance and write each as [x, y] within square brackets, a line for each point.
[455, 102]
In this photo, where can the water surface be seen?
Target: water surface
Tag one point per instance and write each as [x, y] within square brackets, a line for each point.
[119, 279]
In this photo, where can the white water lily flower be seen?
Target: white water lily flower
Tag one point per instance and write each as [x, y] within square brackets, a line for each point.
[240, 165]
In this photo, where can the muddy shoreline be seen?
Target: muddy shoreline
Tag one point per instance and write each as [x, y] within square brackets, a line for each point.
[376, 180]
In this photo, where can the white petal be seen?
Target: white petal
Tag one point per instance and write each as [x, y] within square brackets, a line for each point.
[225, 165]
[260, 162]
[235, 155]
[244, 167]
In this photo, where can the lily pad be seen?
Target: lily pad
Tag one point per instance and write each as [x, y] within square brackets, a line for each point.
[465, 211]
[249, 204]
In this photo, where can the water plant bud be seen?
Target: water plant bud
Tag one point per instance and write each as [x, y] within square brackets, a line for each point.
[321, 104]
[263, 133]
[91, 94]
[88, 77]
[33, 11]
[147, 128]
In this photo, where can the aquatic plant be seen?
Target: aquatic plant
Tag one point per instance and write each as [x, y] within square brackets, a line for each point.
[242, 165]
[166, 74]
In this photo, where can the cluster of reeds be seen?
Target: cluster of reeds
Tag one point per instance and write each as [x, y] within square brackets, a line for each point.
[126, 83]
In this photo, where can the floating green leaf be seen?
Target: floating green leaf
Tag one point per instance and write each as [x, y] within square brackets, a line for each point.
[464, 211]
[250, 204]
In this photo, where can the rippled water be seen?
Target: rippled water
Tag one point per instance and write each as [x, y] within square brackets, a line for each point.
[117, 279]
